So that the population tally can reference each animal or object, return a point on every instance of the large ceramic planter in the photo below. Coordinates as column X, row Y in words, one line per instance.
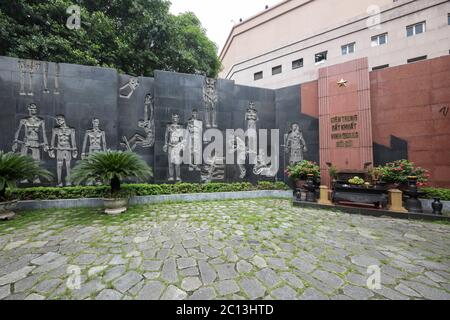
column 7, row 210
column 115, row 206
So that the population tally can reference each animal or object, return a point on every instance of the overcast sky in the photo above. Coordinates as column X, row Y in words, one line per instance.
column 219, row 16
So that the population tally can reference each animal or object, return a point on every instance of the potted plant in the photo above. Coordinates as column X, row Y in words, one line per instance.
column 299, row 172
column 396, row 174
column 15, row 167
column 112, row 167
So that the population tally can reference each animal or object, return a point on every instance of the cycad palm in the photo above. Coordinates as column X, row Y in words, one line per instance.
column 112, row 167
column 15, row 167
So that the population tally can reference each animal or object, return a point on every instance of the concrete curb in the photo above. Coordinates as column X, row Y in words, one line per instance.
column 426, row 204
column 190, row 197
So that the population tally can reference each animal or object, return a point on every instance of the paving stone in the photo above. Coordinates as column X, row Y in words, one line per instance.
column 332, row 280
column 96, row 270
column 109, row 294
column 259, row 262
column 252, row 288
column 277, row 264
column 284, row 293
column 16, row 275
column 205, row 293
column 391, row 294
column 169, row 271
column 118, row 260
column 88, row 289
column 403, row 289
column 268, row 277
column 226, row 271
column 114, row 273
column 46, row 258
column 227, row 287
column 151, row 291
column 174, row 293
column 127, row 281
column 313, row 294
column 152, row 265
column 207, row 272
column 5, row 291
column 230, row 255
column 152, row 275
column 292, row 279
column 47, row 286
column 35, row 296
column 25, row 284
column 435, row 277
column 14, row 245
column 365, row 261
column 184, row 263
column 193, row 271
column 428, row 292
column 357, row 293
column 302, row 265
column 243, row 267
column 85, row 259
column 191, row 283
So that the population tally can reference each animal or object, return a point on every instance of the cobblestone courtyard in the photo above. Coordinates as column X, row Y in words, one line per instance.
column 249, row 249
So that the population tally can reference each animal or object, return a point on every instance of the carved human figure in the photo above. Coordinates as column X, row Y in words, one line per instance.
column 94, row 140
column 210, row 100
column 295, row 144
column 63, row 142
column 34, row 137
column 127, row 90
column 236, row 144
column 148, row 125
column 175, row 140
column 251, row 117
column 195, row 134
column 263, row 165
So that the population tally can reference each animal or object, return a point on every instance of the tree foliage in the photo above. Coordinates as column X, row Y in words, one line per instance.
column 134, row 36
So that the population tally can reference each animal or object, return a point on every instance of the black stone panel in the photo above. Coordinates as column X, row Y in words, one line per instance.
column 397, row 151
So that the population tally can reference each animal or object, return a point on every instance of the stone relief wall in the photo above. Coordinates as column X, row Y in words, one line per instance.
column 61, row 113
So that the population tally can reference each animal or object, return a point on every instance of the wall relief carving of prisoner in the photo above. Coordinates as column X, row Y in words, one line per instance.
column 127, row 90
column 27, row 67
column 237, row 145
column 195, row 138
column 148, row 125
column 63, row 142
column 34, row 137
column 263, row 165
column 210, row 100
column 94, row 140
column 213, row 169
column 175, row 142
column 295, row 144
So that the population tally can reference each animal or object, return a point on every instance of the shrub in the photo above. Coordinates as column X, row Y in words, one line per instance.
column 441, row 193
column 51, row 193
column 111, row 167
column 15, row 167
column 301, row 169
column 399, row 171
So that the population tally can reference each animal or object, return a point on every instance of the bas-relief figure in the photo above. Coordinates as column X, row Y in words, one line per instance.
column 263, row 165
column 27, row 67
column 127, row 90
column 94, row 140
column 174, row 144
column 34, row 137
column 295, row 144
column 236, row 144
column 63, row 142
column 213, row 169
column 251, row 117
column 195, row 134
column 210, row 100
column 148, row 125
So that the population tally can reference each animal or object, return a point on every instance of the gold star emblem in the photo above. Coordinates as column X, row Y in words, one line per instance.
column 342, row 83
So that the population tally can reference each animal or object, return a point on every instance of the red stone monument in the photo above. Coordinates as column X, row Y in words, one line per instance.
column 345, row 117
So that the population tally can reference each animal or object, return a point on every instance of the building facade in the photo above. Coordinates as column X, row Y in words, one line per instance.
column 288, row 43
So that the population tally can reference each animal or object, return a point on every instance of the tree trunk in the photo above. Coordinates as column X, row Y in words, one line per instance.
column 115, row 186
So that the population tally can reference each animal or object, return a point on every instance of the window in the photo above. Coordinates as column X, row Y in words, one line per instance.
column 321, row 57
column 258, row 75
column 415, row 29
column 379, row 40
column 297, row 64
column 417, row 59
column 277, row 70
column 380, row 67
column 448, row 19
column 348, row 48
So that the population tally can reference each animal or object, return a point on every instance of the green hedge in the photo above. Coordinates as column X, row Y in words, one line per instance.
column 443, row 194
column 51, row 193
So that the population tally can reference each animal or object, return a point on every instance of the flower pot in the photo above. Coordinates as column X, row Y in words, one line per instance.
column 437, row 206
column 7, row 210
column 115, row 206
